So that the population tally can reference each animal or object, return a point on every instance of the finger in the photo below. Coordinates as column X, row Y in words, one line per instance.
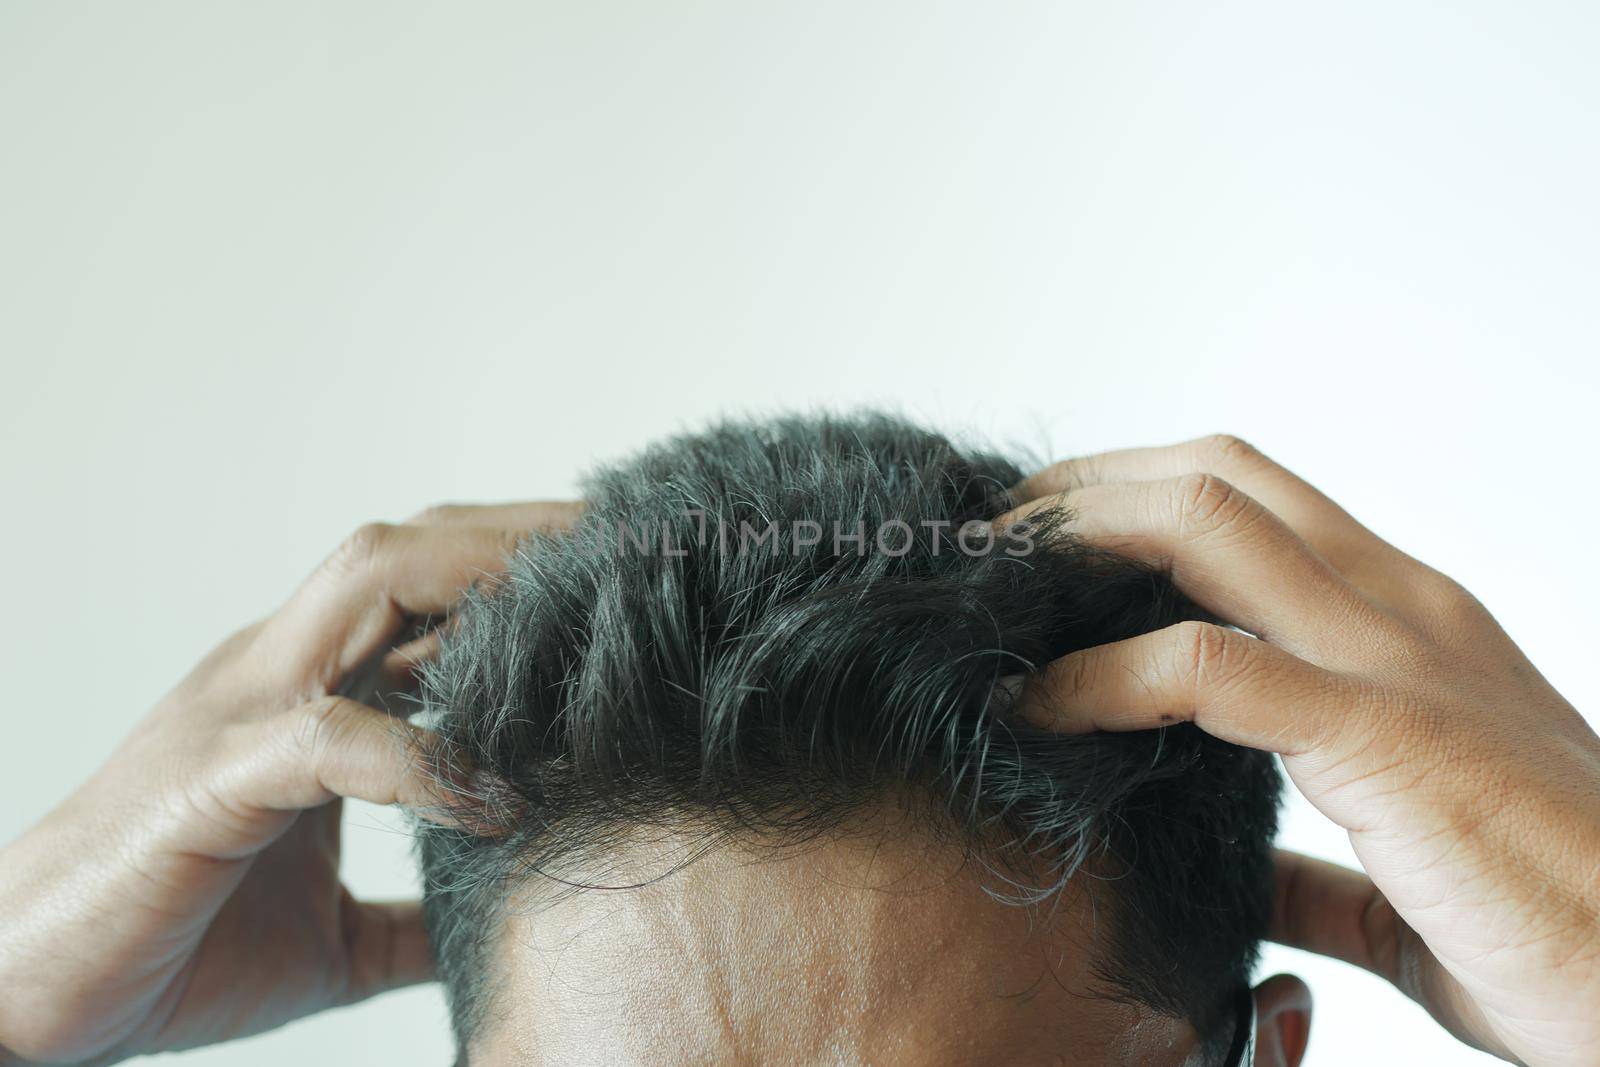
column 544, row 516
column 422, row 569
column 1333, row 911
column 361, row 598
column 1230, row 684
column 388, row 946
column 328, row 748
column 399, row 669
column 1230, row 555
column 391, row 680
column 1350, row 547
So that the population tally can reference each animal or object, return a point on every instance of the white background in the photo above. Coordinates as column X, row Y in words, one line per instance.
column 268, row 271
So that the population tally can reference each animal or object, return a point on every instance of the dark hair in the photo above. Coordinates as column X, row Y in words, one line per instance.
column 661, row 665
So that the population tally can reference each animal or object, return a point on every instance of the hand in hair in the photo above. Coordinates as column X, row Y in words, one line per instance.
column 211, row 836
column 1470, row 789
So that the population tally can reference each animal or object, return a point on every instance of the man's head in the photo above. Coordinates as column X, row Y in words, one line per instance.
column 758, row 791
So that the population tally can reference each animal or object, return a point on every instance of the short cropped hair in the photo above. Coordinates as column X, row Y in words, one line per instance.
column 766, row 627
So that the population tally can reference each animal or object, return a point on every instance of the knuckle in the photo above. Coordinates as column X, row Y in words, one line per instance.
column 207, row 777
column 1081, row 673
column 508, row 544
column 365, row 543
column 1208, row 654
column 314, row 727
column 1206, row 502
column 1225, row 449
column 1454, row 600
column 436, row 514
column 511, row 541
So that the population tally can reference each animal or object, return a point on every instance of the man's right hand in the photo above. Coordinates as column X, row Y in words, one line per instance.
column 1470, row 789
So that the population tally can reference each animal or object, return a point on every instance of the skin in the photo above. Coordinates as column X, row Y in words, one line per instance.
column 211, row 836
column 876, row 946
column 1469, row 787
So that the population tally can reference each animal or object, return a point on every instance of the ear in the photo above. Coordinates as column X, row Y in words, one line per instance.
column 1283, row 1021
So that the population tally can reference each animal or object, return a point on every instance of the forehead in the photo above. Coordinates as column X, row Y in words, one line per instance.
column 862, row 948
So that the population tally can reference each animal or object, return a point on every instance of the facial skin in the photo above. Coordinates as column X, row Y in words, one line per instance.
column 873, row 947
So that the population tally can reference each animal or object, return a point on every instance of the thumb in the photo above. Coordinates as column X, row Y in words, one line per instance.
column 387, row 945
column 322, row 750
column 1333, row 911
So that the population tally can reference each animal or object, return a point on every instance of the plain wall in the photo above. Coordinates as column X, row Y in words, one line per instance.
column 269, row 271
